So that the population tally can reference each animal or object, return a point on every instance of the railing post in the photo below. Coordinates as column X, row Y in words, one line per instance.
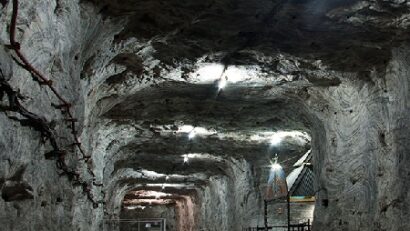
column 266, row 214
column 288, row 201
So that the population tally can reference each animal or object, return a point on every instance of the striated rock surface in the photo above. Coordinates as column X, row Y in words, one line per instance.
column 184, row 97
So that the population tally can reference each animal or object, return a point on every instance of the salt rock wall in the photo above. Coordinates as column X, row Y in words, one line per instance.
column 230, row 202
column 54, row 37
column 360, row 132
column 361, row 154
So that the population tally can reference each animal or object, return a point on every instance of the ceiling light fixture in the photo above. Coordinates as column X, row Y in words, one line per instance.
column 222, row 83
column 275, row 140
column 186, row 158
column 192, row 134
column 275, row 166
column 277, row 186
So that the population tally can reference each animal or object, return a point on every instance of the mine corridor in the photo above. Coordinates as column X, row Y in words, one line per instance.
column 211, row 115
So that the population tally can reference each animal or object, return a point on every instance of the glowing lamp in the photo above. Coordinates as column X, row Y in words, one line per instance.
column 275, row 140
column 276, row 167
column 186, row 158
column 192, row 134
column 222, row 83
column 277, row 186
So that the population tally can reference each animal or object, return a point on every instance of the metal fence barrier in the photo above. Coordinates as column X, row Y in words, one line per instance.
column 151, row 224
column 305, row 226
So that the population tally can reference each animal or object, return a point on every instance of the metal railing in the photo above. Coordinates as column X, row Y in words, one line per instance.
column 151, row 224
column 305, row 226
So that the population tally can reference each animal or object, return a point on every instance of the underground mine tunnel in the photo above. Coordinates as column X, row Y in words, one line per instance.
column 211, row 115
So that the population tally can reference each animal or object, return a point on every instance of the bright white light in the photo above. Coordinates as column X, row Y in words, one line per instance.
column 222, row 83
column 163, row 187
column 132, row 207
column 185, row 128
column 192, row 134
column 144, row 193
column 195, row 131
column 210, row 72
column 175, row 185
column 275, row 140
column 237, row 74
column 276, row 167
column 200, row 156
column 204, row 131
column 186, row 158
column 167, row 178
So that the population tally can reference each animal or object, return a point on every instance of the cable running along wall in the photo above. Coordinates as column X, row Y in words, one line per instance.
column 63, row 105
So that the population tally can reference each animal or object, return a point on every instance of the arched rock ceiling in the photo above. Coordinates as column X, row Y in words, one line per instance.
column 238, row 123
column 203, row 106
column 346, row 35
column 281, row 47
